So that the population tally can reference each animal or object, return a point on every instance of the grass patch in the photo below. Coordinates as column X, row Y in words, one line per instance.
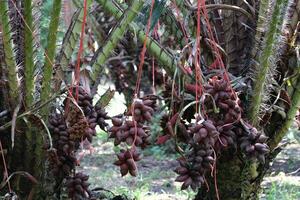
column 282, row 191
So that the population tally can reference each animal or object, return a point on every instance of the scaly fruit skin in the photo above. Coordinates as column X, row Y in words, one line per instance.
column 142, row 110
column 61, row 156
column 126, row 161
column 95, row 115
column 81, row 123
column 224, row 98
column 83, row 118
column 128, row 131
column 101, row 117
column 200, row 159
column 253, row 143
column 78, row 186
column 204, row 134
column 193, row 168
column 134, row 132
column 228, row 113
column 85, row 100
column 78, row 126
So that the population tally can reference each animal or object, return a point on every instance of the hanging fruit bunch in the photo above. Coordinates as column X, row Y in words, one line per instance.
column 218, row 128
column 61, row 157
column 78, row 186
column 101, row 116
column 120, row 74
column 199, row 159
column 84, row 117
column 194, row 166
column 142, row 110
column 78, row 126
column 205, row 133
column 80, row 115
column 76, row 123
column 133, row 131
column 126, row 161
column 129, row 132
column 252, row 142
column 226, row 100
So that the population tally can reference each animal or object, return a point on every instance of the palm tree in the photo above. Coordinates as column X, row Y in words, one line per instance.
column 257, row 41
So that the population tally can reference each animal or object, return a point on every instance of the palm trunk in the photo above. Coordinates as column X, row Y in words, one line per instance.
column 28, row 156
column 237, row 179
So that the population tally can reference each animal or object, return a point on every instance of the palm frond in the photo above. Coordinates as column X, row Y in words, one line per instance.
column 37, row 48
column 173, row 27
column 7, row 53
column 29, row 55
column 50, row 50
column 267, row 60
column 69, row 43
column 114, row 37
column 16, row 13
column 263, row 19
column 290, row 20
column 70, row 40
column 163, row 56
column 291, row 114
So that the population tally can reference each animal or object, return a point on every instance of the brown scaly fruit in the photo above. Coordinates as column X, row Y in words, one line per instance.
column 84, row 101
column 66, row 163
column 78, row 127
column 126, row 161
column 133, row 132
column 101, row 117
column 128, row 131
column 204, row 134
column 224, row 98
column 61, row 156
column 60, row 136
column 78, row 186
column 142, row 110
column 227, row 137
column 253, row 143
column 193, row 168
